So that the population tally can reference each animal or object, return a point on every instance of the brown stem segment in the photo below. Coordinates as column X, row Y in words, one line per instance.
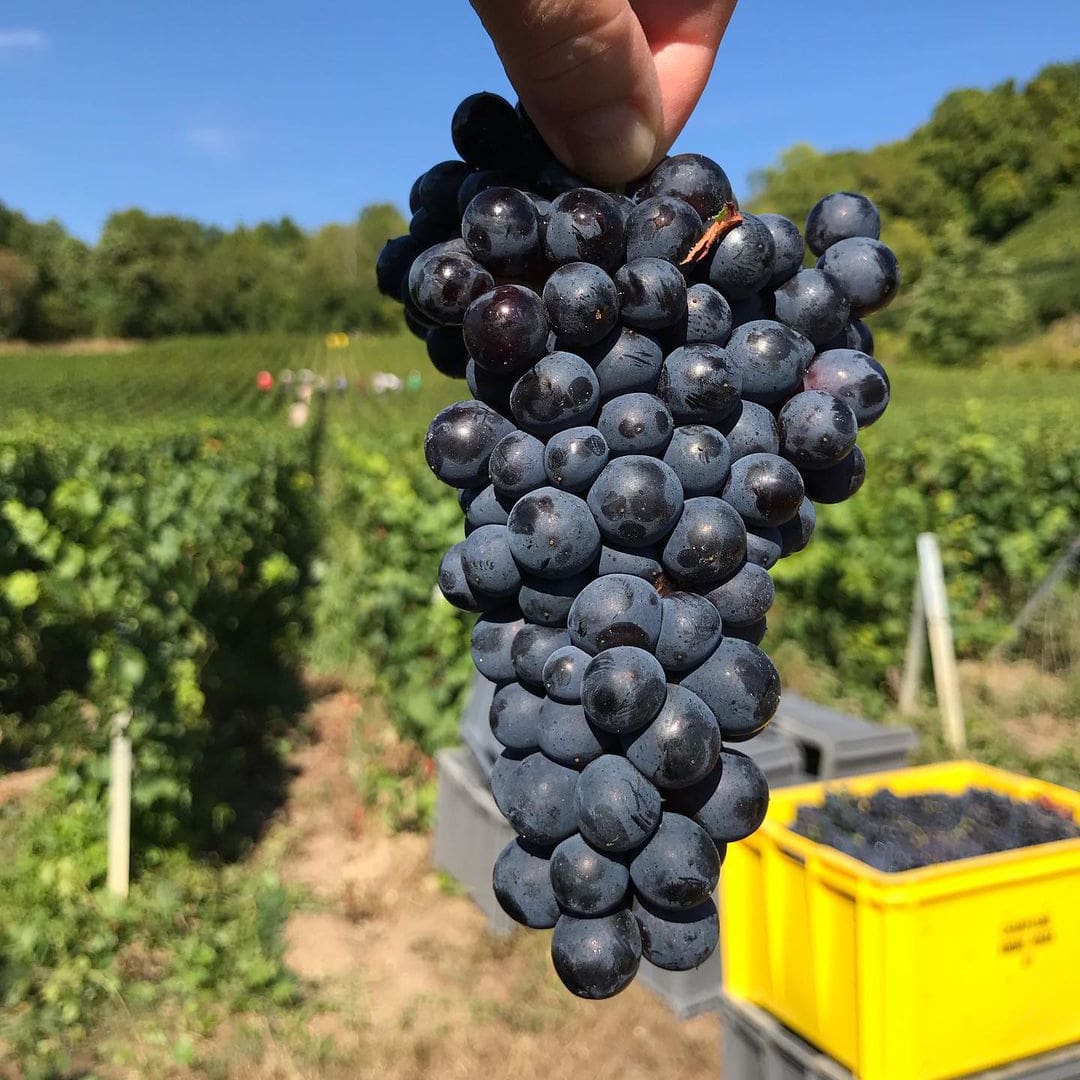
column 718, row 228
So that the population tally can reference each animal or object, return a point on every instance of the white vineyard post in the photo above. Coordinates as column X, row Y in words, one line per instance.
column 120, row 807
column 939, row 629
column 914, row 654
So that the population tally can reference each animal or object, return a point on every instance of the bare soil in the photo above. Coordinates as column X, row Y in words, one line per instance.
column 402, row 979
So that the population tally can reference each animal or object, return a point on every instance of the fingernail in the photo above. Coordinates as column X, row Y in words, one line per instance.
column 610, row 144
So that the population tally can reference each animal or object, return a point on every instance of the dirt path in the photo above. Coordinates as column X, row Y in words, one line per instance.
column 412, row 983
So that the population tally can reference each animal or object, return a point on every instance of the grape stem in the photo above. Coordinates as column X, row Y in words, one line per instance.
column 721, row 224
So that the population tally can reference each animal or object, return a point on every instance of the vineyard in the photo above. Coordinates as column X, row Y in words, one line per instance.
column 171, row 547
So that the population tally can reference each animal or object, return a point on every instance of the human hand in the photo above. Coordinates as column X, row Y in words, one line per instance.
column 609, row 83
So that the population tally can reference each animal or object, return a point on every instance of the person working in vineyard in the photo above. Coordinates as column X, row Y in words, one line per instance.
column 609, row 83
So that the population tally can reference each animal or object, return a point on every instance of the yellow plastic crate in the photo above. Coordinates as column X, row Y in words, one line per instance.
column 922, row 975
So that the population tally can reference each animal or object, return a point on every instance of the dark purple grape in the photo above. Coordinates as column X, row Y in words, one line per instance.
column 562, row 674
column 617, row 609
column 559, row 392
column 460, row 440
column 622, row 689
column 731, row 802
column 677, row 940
column 770, row 358
column 492, row 638
column 567, row 736
column 752, row 309
column 708, row 320
column 479, row 181
column 847, row 338
column 680, row 746
column 839, row 483
column 662, row 228
column 742, row 262
column 515, row 716
column 439, row 190
column 586, row 226
column 574, row 458
column 635, row 424
column 690, row 629
column 489, row 567
column 789, row 245
column 699, row 384
column 427, row 231
column 636, row 562
column 652, row 294
column 679, row 867
column 745, row 597
column 532, row 647
column 522, row 883
column 414, row 195
column 552, row 533
column 764, row 546
column 765, row 489
column 548, row 602
column 706, row 545
column 813, row 303
column 635, row 500
column 855, row 378
column 502, row 230
column 484, row 506
column 753, row 632
column 487, row 132
column 596, row 958
column 694, row 179
column 506, row 330
column 751, row 429
column 443, row 286
column 867, row 271
column 627, row 361
column 393, row 263
column 516, row 465
column 700, row 458
column 587, row 882
column 415, row 319
column 840, row 216
column 540, row 800
column 617, row 808
column 795, row 534
column 741, row 686
column 817, row 430
column 454, row 585
column 504, row 777
column 493, row 390
column 866, row 337
column 582, row 304
column 447, row 352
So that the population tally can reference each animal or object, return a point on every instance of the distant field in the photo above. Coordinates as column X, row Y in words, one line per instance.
column 215, row 377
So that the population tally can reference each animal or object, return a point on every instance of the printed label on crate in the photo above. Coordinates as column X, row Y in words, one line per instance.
column 1023, row 936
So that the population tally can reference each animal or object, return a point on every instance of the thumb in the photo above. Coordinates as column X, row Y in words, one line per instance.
column 586, row 76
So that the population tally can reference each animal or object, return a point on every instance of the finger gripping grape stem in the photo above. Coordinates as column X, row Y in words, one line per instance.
column 721, row 224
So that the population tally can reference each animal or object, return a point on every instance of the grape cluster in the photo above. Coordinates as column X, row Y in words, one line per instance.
column 660, row 393
column 894, row 833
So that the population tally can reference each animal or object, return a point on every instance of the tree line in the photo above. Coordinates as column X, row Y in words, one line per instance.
column 151, row 276
column 982, row 206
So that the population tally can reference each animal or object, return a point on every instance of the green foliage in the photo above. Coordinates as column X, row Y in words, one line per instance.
column 151, row 276
column 1004, row 503
column 390, row 523
column 200, row 940
column 967, row 300
column 162, row 573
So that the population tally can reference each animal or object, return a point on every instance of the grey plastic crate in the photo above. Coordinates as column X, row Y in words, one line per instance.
column 758, row 1047
column 835, row 744
column 777, row 755
column 476, row 727
column 685, row 993
column 469, row 831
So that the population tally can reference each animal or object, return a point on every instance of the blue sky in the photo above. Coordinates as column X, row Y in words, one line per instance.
column 237, row 110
